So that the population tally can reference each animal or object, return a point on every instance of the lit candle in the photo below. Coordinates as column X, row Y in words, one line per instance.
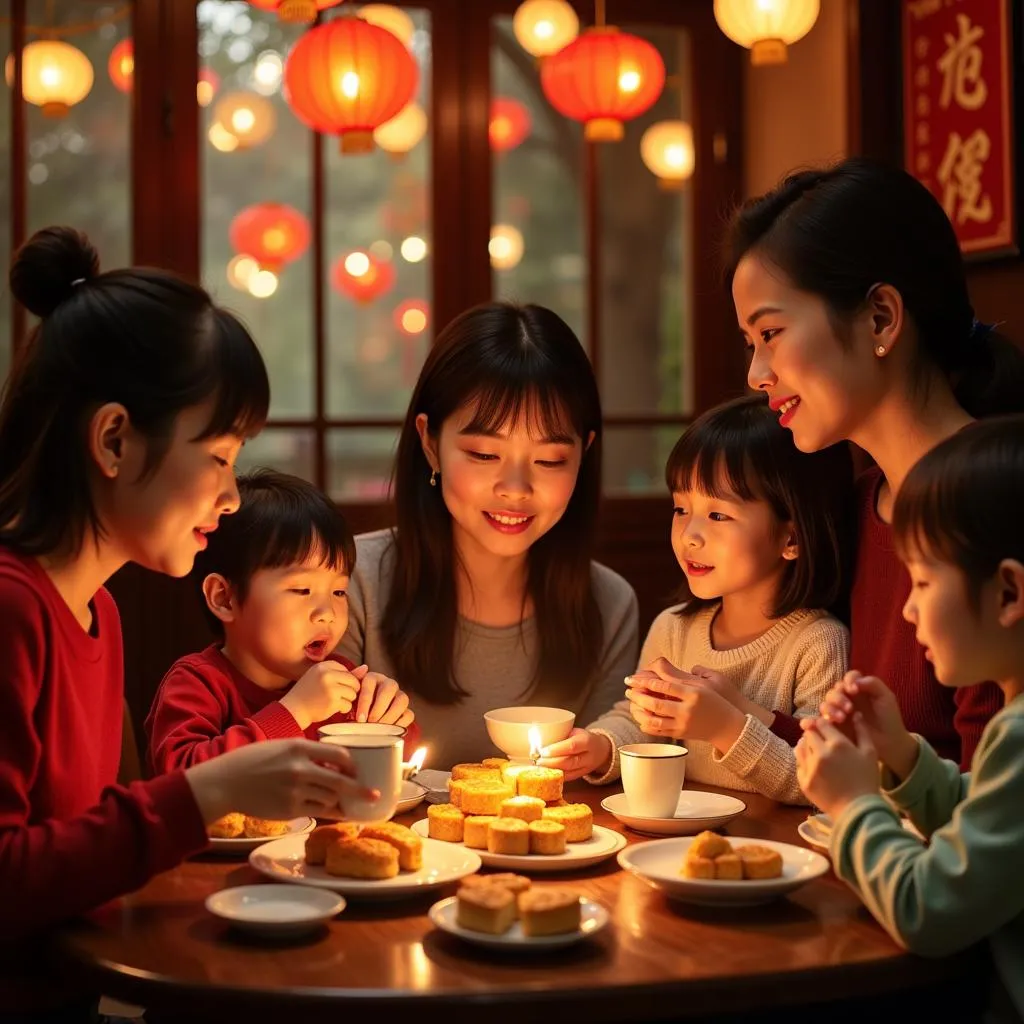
column 535, row 744
column 415, row 764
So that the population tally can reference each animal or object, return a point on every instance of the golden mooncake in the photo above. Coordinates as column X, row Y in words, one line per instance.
column 698, row 867
column 526, row 808
column 362, row 858
column 548, row 911
column 403, row 839
column 455, row 791
column 512, row 882
column 445, row 822
column 320, row 838
column 709, row 844
column 231, row 826
column 496, row 762
column 760, row 861
column 475, row 771
column 265, row 828
column 509, row 836
column 578, row 820
column 483, row 796
column 543, row 783
column 729, row 867
column 547, row 837
column 474, row 833
column 486, row 908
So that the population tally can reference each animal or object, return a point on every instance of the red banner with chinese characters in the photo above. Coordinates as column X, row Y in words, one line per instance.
column 958, row 114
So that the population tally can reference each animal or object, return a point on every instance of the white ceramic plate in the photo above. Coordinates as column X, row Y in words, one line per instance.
column 604, row 843
column 816, row 830
column 412, row 795
column 696, row 812
column 238, row 847
column 593, row 917
column 435, row 782
column 275, row 909
column 660, row 862
column 284, row 860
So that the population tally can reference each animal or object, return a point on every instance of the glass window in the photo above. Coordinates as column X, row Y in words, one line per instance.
column 78, row 164
column 256, row 170
column 537, row 248
column 359, row 463
column 635, row 457
column 378, row 244
column 289, row 451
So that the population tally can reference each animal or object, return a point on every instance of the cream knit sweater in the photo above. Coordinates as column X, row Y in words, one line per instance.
column 789, row 669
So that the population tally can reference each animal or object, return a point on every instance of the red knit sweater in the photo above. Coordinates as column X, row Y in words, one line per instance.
column 70, row 838
column 882, row 642
column 205, row 707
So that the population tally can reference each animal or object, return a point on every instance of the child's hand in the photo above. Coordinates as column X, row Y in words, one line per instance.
column 716, row 682
column 664, row 704
column 875, row 702
column 831, row 770
column 380, row 700
column 277, row 779
column 582, row 753
column 326, row 689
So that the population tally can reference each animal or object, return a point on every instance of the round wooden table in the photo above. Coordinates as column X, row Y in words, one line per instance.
column 160, row 948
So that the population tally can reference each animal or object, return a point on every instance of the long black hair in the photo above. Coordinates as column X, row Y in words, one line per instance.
column 739, row 447
column 838, row 232
column 144, row 338
column 504, row 361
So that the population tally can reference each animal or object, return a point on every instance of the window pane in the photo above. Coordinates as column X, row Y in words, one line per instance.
column 241, row 53
column 538, row 188
column 79, row 164
column 290, row 451
column 646, row 258
column 378, row 236
column 6, row 341
column 635, row 457
column 359, row 463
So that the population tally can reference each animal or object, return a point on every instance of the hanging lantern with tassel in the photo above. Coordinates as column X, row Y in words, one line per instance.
column 766, row 27
column 362, row 277
column 121, row 65
column 273, row 234
column 55, row 75
column 543, row 27
column 509, row 124
column 295, row 12
column 347, row 78
column 667, row 150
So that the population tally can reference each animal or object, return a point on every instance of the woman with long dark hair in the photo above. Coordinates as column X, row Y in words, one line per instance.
column 485, row 594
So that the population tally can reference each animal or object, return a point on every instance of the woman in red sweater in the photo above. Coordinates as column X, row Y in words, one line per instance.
column 850, row 291
column 119, row 430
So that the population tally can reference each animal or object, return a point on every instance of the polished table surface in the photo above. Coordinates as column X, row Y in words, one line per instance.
column 160, row 948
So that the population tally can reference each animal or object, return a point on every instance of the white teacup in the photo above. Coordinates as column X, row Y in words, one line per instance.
column 652, row 778
column 378, row 763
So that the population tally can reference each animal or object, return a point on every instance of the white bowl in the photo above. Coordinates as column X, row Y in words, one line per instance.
column 509, row 728
column 360, row 729
column 275, row 909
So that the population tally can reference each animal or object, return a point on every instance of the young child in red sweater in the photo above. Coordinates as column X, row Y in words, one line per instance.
column 119, row 429
column 273, row 581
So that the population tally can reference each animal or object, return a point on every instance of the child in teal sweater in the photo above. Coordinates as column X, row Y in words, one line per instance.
column 958, row 529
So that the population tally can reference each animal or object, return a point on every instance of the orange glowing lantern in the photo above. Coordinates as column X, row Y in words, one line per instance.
column 347, row 78
column 121, row 65
column 273, row 234
column 509, row 124
column 207, row 86
column 412, row 317
column 362, row 277
column 602, row 78
column 298, row 12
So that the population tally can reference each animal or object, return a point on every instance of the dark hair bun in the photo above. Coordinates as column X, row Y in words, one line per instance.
column 48, row 267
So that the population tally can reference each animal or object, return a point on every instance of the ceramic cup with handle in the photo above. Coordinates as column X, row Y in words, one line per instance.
column 378, row 763
column 652, row 777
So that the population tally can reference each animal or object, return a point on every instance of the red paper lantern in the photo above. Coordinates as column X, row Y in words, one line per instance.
column 509, row 124
column 602, row 78
column 377, row 280
column 301, row 12
column 412, row 317
column 121, row 65
column 348, row 77
column 271, row 233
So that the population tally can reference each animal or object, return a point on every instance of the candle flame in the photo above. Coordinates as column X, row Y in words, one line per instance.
column 417, row 759
column 535, row 743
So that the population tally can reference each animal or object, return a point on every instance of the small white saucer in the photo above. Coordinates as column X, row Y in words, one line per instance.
column 244, row 845
column 816, row 830
column 412, row 795
column 593, row 917
column 275, row 910
column 696, row 811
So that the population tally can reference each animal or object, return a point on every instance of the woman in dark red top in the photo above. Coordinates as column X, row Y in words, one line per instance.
column 851, row 296
column 119, row 430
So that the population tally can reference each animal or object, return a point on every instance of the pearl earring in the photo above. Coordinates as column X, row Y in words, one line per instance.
column 433, row 478
column 880, row 351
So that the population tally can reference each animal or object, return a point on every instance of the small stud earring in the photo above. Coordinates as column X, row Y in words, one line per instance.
column 433, row 478
column 880, row 350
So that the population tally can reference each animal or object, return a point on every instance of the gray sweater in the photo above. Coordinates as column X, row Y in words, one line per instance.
column 495, row 664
